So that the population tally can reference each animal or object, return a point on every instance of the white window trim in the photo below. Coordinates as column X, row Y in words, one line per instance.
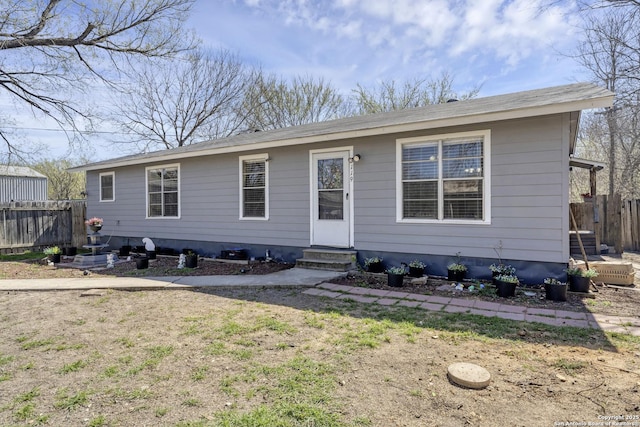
column 241, row 159
column 486, row 135
column 146, row 190
column 113, row 180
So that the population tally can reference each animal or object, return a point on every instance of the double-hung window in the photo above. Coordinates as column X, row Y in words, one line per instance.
column 107, row 186
column 443, row 178
column 163, row 191
column 254, row 187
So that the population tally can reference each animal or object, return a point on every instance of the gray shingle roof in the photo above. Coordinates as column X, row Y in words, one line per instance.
column 573, row 97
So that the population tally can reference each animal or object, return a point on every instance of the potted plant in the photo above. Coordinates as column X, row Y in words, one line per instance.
column 456, row 270
column 501, row 269
column 53, row 253
column 69, row 251
column 125, row 250
column 506, row 285
column 95, row 224
column 555, row 290
column 579, row 279
column 191, row 259
column 416, row 268
column 142, row 263
column 395, row 276
column 373, row 264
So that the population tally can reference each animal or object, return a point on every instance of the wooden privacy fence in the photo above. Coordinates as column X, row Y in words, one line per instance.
column 33, row 225
column 615, row 221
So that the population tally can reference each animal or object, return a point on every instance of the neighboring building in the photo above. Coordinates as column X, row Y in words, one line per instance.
column 20, row 184
column 484, row 177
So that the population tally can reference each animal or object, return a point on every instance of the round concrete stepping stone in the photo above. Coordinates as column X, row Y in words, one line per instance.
column 469, row 375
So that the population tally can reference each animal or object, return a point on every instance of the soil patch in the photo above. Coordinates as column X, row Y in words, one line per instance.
column 617, row 301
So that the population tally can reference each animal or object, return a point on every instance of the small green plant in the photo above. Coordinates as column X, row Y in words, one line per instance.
column 577, row 271
column 553, row 281
column 372, row 260
column 502, row 269
column 457, row 266
column 590, row 273
column 507, row 278
column 396, row 270
column 417, row 264
column 53, row 250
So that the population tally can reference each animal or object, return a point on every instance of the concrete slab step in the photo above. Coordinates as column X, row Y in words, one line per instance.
column 329, row 254
column 324, row 264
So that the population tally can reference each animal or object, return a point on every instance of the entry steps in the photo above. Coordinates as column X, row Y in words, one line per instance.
column 327, row 259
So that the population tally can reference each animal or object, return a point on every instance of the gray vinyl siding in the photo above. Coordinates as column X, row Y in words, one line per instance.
column 529, row 167
column 529, row 198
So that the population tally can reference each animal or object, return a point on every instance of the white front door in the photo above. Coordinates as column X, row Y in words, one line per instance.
column 331, row 199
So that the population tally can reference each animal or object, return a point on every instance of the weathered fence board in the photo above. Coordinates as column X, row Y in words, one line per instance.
column 26, row 225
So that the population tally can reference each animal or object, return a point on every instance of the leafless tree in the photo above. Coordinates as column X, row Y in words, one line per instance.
column 50, row 48
column 389, row 96
column 274, row 102
column 610, row 53
column 178, row 102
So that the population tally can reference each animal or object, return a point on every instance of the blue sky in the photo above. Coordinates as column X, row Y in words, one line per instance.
column 503, row 46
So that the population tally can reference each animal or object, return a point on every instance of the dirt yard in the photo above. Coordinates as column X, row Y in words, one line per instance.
column 277, row 357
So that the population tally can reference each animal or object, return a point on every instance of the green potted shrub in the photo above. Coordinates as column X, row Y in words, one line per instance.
column 373, row 264
column 53, row 253
column 580, row 279
column 506, row 285
column 395, row 276
column 555, row 290
column 416, row 268
column 498, row 269
column 191, row 260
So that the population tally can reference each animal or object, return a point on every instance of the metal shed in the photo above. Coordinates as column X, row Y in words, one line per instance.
column 18, row 184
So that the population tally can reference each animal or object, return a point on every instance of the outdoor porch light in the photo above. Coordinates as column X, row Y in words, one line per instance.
column 355, row 158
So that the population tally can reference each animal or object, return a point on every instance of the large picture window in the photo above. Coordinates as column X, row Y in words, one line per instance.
column 163, row 186
column 254, row 179
column 443, row 178
column 107, row 187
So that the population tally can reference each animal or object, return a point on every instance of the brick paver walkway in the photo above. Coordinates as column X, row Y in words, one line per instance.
column 625, row 325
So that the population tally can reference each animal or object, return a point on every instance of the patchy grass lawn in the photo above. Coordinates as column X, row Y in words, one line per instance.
column 276, row 357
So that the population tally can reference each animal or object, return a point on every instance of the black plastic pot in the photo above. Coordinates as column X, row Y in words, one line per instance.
column 191, row 261
column 142, row 263
column 579, row 284
column 376, row 267
column 151, row 254
column 455, row 275
column 70, row 251
column 505, row 289
column 556, row 292
column 395, row 280
column 55, row 258
column 416, row 271
column 125, row 250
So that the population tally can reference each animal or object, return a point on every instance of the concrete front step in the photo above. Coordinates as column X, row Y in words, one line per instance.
column 324, row 264
column 327, row 259
column 329, row 254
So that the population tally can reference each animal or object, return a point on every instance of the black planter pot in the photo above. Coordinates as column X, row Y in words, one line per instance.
column 395, row 280
column 579, row 284
column 70, row 251
column 191, row 261
column 416, row 271
column 505, row 289
column 151, row 254
column 556, row 292
column 456, row 276
column 140, row 249
column 125, row 250
column 142, row 263
column 376, row 267
column 55, row 258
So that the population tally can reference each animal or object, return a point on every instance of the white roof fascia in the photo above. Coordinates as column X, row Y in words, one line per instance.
column 418, row 125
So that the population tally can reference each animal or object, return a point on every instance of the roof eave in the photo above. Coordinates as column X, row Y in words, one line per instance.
column 164, row 156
